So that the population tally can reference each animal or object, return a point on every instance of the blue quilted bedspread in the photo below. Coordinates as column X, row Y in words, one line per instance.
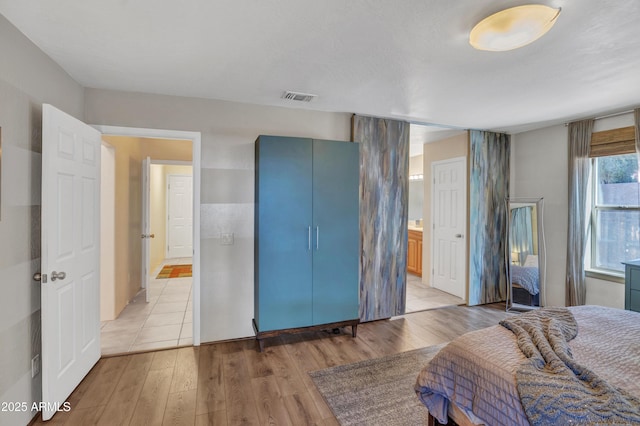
column 556, row 390
column 527, row 277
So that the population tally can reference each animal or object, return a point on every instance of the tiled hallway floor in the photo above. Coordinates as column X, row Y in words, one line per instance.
column 421, row 298
column 166, row 321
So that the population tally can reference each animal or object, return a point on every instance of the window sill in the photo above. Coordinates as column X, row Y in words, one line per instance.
column 606, row 276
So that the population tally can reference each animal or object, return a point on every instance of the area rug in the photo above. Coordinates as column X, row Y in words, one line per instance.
column 174, row 271
column 376, row 391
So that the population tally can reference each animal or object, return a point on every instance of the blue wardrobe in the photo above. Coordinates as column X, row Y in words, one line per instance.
column 307, row 239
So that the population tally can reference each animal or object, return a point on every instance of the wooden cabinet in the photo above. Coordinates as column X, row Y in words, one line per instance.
column 307, row 232
column 414, row 252
column 632, row 285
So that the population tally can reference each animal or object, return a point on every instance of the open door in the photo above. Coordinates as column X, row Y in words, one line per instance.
column 70, row 260
column 146, row 225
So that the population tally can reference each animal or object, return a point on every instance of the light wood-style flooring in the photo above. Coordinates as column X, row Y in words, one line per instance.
column 232, row 383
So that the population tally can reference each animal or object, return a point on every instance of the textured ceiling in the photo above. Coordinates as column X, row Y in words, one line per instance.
column 401, row 59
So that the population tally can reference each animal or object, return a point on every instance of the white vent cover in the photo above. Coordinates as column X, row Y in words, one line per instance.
column 297, row 96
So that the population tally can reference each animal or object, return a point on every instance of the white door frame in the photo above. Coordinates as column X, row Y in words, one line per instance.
column 465, row 290
column 195, row 139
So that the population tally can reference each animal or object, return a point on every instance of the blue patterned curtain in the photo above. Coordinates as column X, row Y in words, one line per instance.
column 489, row 189
column 384, row 177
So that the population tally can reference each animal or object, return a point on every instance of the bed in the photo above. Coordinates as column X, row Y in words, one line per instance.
column 472, row 379
column 525, row 282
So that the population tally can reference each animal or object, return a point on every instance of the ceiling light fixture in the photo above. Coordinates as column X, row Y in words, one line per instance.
column 513, row 28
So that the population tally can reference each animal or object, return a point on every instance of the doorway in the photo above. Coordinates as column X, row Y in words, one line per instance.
column 427, row 143
column 160, row 310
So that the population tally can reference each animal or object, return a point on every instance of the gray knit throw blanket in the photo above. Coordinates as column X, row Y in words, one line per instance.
column 553, row 388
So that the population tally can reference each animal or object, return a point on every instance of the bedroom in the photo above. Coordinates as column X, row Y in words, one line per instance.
column 29, row 78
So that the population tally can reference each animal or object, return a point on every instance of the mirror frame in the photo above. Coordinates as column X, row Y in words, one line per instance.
column 542, row 253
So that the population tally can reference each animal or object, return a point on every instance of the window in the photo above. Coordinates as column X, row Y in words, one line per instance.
column 615, row 213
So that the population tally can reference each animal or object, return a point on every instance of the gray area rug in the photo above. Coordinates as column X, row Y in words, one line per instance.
column 376, row 391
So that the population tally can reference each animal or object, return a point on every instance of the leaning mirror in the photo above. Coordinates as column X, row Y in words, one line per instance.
column 525, row 254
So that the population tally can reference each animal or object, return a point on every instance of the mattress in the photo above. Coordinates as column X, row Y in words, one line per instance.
column 476, row 372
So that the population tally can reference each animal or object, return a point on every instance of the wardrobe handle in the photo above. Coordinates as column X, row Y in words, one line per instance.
column 309, row 238
column 317, row 238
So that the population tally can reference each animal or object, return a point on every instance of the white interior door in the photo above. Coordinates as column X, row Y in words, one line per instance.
column 146, row 224
column 449, row 224
column 180, row 216
column 70, row 254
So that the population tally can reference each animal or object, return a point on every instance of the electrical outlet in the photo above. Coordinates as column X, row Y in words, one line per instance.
column 226, row 239
column 35, row 366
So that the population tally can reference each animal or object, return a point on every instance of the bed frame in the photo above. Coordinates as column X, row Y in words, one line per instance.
column 455, row 415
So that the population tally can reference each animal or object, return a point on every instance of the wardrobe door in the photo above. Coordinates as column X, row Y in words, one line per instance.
column 336, row 231
column 283, row 245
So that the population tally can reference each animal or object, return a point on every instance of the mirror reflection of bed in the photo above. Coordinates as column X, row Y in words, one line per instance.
column 525, row 254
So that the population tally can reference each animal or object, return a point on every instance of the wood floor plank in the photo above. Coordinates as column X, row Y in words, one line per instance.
column 288, row 378
column 180, row 409
column 164, row 359
column 216, row 418
column 153, row 398
column 240, row 404
column 85, row 416
column 211, row 395
column 302, row 409
column 382, row 340
column 258, row 363
column 102, row 387
column 120, row 406
column 185, row 375
column 331, row 421
column 269, row 401
column 358, row 347
column 343, row 348
column 304, row 362
column 403, row 329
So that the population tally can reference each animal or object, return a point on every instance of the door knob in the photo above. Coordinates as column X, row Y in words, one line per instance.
column 37, row 276
column 58, row 276
column 459, row 235
column 147, row 236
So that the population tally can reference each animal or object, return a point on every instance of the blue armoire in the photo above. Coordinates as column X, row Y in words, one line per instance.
column 307, row 239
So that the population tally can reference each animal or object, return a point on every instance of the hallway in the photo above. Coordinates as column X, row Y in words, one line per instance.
column 165, row 322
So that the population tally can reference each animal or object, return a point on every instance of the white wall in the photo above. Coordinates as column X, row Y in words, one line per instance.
column 229, row 131
column 28, row 78
column 107, row 234
column 540, row 169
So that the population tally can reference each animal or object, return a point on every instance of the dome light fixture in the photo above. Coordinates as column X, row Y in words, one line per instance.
column 513, row 28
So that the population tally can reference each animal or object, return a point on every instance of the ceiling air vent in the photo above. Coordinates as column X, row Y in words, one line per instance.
column 297, row 96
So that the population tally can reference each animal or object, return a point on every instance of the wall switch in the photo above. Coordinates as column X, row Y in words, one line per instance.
column 226, row 239
column 35, row 366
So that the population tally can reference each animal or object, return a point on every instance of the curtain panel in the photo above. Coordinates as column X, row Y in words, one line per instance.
column 489, row 189
column 521, row 233
column 578, row 223
column 384, row 188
